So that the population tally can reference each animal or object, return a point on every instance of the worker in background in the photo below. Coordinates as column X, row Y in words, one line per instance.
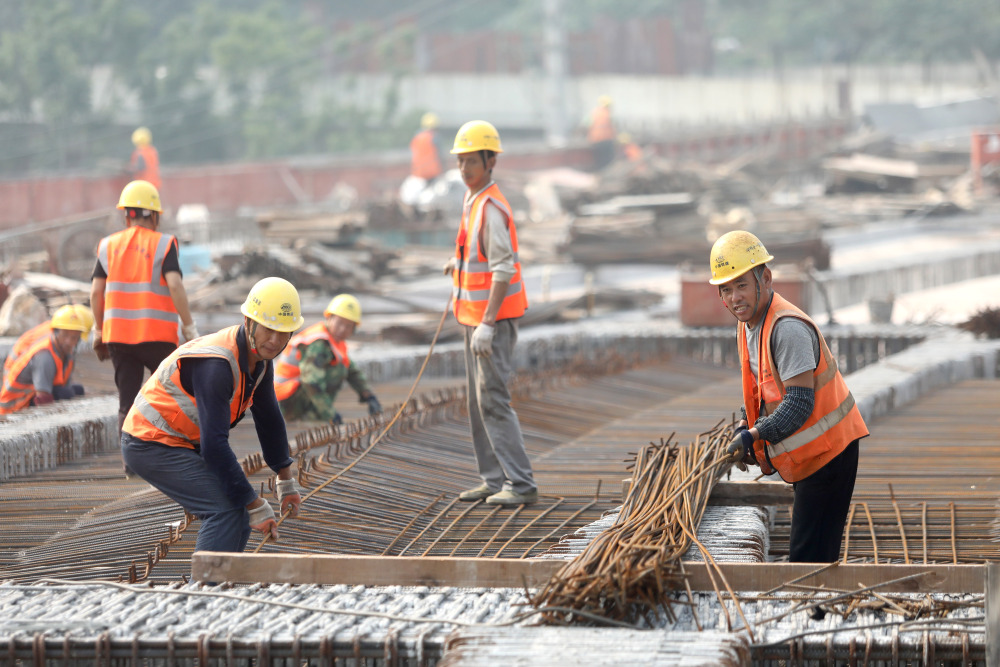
column 425, row 151
column 800, row 419
column 137, row 293
column 489, row 298
column 144, row 164
column 630, row 149
column 43, row 373
column 601, row 133
column 310, row 373
column 40, row 331
column 176, row 435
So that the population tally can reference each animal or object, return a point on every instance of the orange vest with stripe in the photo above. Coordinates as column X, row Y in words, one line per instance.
column 165, row 412
column 151, row 164
column 601, row 127
column 424, row 159
column 138, row 307
column 286, row 368
column 835, row 421
column 16, row 395
column 472, row 278
column 26, row 340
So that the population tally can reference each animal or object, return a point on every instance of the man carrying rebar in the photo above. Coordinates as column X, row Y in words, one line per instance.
column 489, row 297
column 313, row 368
column 805, row 424
column 176, row 435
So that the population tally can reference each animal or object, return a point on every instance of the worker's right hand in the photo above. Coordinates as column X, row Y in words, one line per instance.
column 262, row 519
column 289, row 497
column 100, row 347
column 740, row 449
column 450, row 265
column 190, row 331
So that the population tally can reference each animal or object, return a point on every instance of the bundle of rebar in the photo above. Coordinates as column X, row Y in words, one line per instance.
column 628, row 571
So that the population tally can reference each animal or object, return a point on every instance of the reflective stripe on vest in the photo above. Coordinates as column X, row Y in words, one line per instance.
column 472, row 278
column 25, row 342
column 425, row 162
column 151, row 164
column 286, row 368
column 163, row 395
column 16, row 394
column 138, row 307
column 835, row 420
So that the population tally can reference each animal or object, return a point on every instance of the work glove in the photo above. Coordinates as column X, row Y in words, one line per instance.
column 262, row 519
column 100, row 347
column 482, row 340
column 190, row 331
column 289, row 497
column 374, row 407
column 337, row 419
column 740, row 450
column 450, row 265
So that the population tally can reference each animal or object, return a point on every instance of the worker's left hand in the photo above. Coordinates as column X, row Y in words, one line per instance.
column 262, row 519
column 482, row 340
column 374, row 407
column 740, row 449
column 289, row 497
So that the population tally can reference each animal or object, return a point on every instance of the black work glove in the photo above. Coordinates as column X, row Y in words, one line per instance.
column 740, row 449
column 337, row 419
column 374, row 407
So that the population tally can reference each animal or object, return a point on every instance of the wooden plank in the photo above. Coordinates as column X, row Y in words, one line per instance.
column 764, row 493
column 514, row 573
column 992, row 589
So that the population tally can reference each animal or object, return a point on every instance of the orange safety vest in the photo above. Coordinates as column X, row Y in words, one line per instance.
column 16, row 395
column 472, row 278
column 601, row 127
column 25, row 341
column 632, row 152
column 835, row 421
column 151, row 164
column 165, row 412
column 425, row 162
column 286, row 368
column 138, row 307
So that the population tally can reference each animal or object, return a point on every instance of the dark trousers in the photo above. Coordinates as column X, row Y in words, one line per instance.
column 131, row 362
column 819, row 511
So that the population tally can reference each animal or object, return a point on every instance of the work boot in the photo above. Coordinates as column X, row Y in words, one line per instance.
column 511, row 497
column 479, row 493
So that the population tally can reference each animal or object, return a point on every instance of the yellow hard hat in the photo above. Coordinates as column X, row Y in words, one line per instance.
column 274, row 302
column 429, row 120
column 604, row 100
column 735, row 253
column 86, row 314
column 142, row 136
column 69, row 319
column 140, row 194
column 624, row 138
column 477, row 135
column 346, row 306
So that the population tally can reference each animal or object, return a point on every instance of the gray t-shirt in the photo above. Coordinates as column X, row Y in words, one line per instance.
column 795, row 346
column 41, row 372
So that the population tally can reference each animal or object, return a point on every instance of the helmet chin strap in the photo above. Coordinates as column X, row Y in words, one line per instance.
column 251, row 330
column 758, row 273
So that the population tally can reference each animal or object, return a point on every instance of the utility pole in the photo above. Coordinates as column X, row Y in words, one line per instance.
column 555, row 74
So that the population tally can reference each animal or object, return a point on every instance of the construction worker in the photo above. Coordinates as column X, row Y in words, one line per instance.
column 137, row 293
column 176, row 435
column 800, row 419
column 40, row 331
column 313, row 368
column 631, row 150
column 601, row 133
column 489, row 297
column 43, row 373
column 425, row 152
column 144, row 164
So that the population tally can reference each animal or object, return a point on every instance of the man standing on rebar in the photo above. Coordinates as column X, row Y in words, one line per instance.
column 489, row 297
column 176, row 435
column 137, row 293
column 144, row 165
column 311, row 371
column 805, row 424
column 601, row 134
